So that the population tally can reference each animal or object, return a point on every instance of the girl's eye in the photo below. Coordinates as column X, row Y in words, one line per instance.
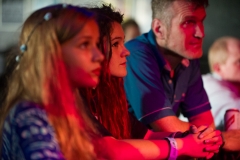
column 98, row 45
column 84, row 45
column 115, row 44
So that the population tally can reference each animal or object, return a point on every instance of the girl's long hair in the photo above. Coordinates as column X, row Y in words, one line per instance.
column 41, row 77
column 108, row 100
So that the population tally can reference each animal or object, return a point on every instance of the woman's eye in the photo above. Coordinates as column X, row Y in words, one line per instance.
column 115, row 44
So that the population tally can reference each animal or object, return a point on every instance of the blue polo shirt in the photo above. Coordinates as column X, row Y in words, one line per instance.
column 151, row 92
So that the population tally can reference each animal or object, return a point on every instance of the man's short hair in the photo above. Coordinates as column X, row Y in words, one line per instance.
column 159, row 8
column 218, row 52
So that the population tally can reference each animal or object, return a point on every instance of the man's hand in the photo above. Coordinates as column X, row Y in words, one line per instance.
column 202, row 142
column 211, row 137
column 232, row 140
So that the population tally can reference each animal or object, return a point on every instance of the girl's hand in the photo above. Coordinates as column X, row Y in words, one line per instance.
column 192, row 146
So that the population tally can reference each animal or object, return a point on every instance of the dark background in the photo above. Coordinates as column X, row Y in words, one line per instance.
column 223, row 19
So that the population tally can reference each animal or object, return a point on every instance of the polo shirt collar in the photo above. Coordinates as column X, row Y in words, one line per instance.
column 151, row 37
column 185, row 62
column 154, row 46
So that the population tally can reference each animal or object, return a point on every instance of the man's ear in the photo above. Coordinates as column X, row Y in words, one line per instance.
column 159, row 29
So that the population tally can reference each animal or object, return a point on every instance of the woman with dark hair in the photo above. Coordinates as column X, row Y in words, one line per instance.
column 105, row 99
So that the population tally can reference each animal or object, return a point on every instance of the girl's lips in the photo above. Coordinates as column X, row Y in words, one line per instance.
column 97, row 71
column 124, row 63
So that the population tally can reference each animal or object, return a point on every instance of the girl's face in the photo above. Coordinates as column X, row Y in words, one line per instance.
column 82, row 56
column 117, row 64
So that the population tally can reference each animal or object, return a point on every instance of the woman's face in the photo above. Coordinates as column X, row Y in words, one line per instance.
column 117, row 64
column 82, row 56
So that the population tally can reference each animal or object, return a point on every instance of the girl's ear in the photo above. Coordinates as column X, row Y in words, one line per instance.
column 159, row 29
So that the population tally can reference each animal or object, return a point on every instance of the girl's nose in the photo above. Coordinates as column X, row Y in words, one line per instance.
column 97, row 55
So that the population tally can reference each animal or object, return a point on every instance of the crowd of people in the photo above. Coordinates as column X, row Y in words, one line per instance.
column 75, row 90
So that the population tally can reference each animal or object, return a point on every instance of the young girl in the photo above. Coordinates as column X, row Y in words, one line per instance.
column 108, row 101
column 43, row 116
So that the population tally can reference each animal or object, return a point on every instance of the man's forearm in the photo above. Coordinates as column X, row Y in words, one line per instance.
column 200, row 122
column 170, row 124
column 204, row 118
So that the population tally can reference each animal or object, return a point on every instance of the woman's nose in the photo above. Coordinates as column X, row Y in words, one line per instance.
column 125, row 52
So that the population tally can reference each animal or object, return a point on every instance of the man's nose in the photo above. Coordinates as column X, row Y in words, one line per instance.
column 199, row 31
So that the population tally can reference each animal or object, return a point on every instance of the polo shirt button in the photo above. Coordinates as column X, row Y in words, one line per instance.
column 170, row 81
column 183, row 94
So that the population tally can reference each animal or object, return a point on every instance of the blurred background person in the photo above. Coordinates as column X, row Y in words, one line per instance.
column 131, row 29
column 223, row 83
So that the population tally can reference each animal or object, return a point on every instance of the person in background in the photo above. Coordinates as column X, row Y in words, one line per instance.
column 43, row 116
column 131, row 29
column 107, row 101
column 163, row 69
column 223, row 85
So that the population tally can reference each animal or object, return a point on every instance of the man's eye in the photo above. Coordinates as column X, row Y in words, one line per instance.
column 115, row 44
column 190, row 22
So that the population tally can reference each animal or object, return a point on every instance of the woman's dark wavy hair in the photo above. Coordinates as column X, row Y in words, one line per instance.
column 108, row 100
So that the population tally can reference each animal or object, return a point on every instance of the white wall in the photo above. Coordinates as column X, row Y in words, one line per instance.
column 14, row 12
